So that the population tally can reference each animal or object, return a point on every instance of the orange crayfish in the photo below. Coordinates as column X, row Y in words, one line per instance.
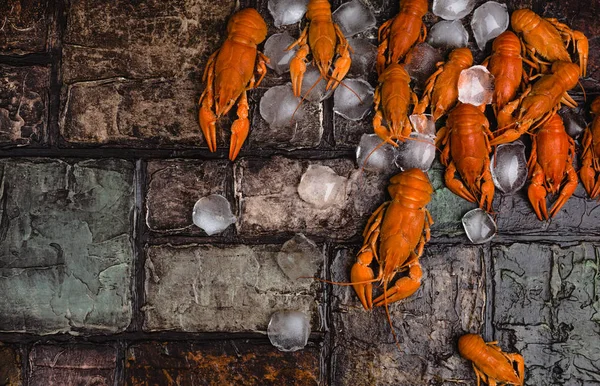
column 466, row 141
column 442, row 85
column 490, row 363
column 544, row 36
column 324, row 38
column 398, row 35
column 229, row 73
column 590, row 163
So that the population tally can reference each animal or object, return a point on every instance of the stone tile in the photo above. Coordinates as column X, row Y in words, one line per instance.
column 24, row 26
column 266, row 191
column 23, row 104
column 10, row 366
column 546, row 309
column 72, row 365
column 449, row 303
column 208, row 288
column 220, row 362
column 174, row 186
column 66, row 251
column 347, row 133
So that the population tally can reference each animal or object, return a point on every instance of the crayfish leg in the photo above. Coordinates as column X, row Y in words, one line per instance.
column 405, row 286
column 537, row 193
column 567, row 190
column 240, row 127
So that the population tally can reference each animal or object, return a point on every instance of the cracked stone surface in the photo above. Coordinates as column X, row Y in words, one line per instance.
column 347, row 133
column 24, row 26
column 23, row 104
column 547, row 307
column 66, row 251
column 174, row 186
column 449, row 303
column 220, row 363
column 10, row 366
column 229, row 289
column 72, row 365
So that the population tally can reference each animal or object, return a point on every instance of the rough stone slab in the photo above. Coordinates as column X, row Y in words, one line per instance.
column 267, row 193
column 174, row 186
column 547, row 309
column 72, row 365
column 230, row 289
column 66, row 251
column 449, row 303
column 24, row 26
column 10, row 366
column 220, row 363
column 347, row 133
column 23, row 104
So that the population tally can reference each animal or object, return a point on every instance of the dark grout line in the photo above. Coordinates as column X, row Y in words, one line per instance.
column 139, row 230
column 488, row 316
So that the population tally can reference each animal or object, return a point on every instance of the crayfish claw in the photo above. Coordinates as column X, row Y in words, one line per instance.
column 363, row 276
column 298, row 68
column 403, row 288
column 208, row 122
column 239, row 133
column 537, row 197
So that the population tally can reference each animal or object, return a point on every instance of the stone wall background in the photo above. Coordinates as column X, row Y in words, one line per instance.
column 104, row 280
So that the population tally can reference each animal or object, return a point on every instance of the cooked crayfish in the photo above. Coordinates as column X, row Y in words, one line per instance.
column 549, row 38
column 538, row 103
column 324, row 39
column 590, row 159
column 466, row 149
column 442, row 85
column 229, row 73
column 398, row 35
column 490, row 363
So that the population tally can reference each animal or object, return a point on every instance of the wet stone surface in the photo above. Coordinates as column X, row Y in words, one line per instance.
column 66, row 251
column 24, row 26
column 10, row 366
column 449, row 303
column 228, row 289
column 23, row 105
column 220, row 363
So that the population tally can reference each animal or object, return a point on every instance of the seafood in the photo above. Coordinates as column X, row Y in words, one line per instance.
column 590, row 159
column 228, row 74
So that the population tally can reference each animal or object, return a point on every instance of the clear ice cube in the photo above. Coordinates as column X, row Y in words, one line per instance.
column 300, row 257
column 509, row 167
column 275, row 49
column 313, row 85
column 287, row 12
column 479, row 226
column 448, row 34
column 452, row 9
column 476, row 86
column 489, row 20
column 421, row 62
column 353, row 99
column 423, row 123
column 363, row 57
column 289, row 330
column 354, row 17
column 322, row 187
column 573, row 119
column 374, row 155
column 417, row 152
column 278, row 107
column 213, row 214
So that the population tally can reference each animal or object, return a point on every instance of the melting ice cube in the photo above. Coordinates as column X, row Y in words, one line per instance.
column 363, row 56
column 423, row 123
column 479, row 226
column 299, row 257
column 313, row 85
column 416, row 152
column 374, row 155
column 448, row 34
column 321, row 186
column 476, row 86
column 346, row 100
column 509, row 167
column 213, row 214
column 573, row 119
column 421, row 62
column 452, row 9
column 354, row 17
column 286, row 12
column 289, row 330
column 489, row 20
column 278, row 107
column 275, row 49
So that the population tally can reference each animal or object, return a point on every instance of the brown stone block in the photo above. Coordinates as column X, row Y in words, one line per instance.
column 24, row 26
column 10, row 366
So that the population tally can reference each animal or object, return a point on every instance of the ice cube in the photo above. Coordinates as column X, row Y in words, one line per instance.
column 421, row 62
column 313, row 85
column 509, row 167
column 363, row 57
column 300, row 257
column 479, row 226
column 213, row 214
column 322, row 187
column 278, row 107
column 452, row 9
column 573, row 119
column 416, row 152
column 354, row 17
column 287, row 12
column 353, row 99
column 289, row 330
column 275, row 49
column 374, row 155
column 476, row 86
column 423, row 123
column 448, row 34
column 489, row 20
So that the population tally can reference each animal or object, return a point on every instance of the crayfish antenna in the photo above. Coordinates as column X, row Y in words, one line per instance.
column 340, row 283
column 352, row 91
column 389, row 317
column 304, row 97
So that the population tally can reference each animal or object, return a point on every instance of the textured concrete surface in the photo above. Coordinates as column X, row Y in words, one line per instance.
column 25, row 25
